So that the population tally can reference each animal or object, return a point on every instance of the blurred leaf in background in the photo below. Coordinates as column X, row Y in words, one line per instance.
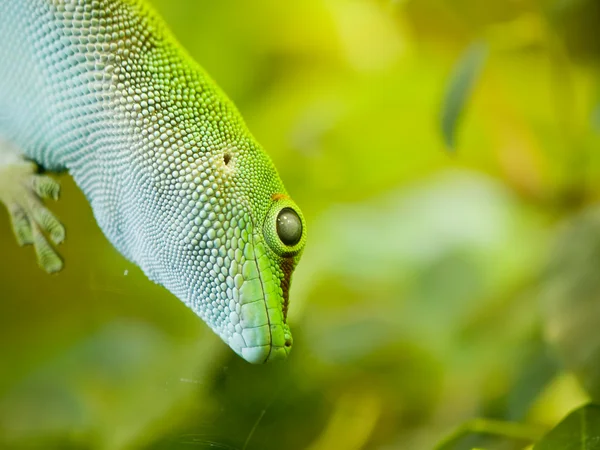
column 571, row 297
column 461, row 85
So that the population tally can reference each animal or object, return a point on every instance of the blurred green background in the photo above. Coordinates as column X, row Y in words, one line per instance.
column 436, row 287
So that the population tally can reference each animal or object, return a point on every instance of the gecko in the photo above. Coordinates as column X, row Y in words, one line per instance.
column 102, row 90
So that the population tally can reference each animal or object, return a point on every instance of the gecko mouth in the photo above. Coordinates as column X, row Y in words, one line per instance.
column 264, row 299
column 262, row 285
column 281, row 351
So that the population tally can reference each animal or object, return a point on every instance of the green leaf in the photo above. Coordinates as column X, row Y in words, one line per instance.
column 465, row 76
column 489, row 428
column 580, row 430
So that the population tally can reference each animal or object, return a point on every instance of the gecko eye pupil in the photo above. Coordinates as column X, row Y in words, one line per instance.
column 289, row 226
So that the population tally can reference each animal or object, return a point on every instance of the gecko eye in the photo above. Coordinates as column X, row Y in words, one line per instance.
column 284, row 227
column 289, row 227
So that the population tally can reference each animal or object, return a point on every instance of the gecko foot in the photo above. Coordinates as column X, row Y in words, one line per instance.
column 22, row 190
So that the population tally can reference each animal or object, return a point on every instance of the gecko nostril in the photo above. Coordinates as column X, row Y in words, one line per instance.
column 226, row 158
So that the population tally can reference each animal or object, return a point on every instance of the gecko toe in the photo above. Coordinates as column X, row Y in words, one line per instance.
column 45, row 187
column 47, row 257
column 21, row 225
column 47, row 222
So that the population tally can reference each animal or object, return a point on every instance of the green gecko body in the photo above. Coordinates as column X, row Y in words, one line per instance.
column 177, row 183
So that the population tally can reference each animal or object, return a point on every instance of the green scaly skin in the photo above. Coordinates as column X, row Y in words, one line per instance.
column 177, row 183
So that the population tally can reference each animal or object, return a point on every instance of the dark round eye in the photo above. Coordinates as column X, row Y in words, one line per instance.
column 289, row 227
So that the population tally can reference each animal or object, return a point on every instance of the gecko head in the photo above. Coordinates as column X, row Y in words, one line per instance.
column 272, row 253
column 246, row 237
